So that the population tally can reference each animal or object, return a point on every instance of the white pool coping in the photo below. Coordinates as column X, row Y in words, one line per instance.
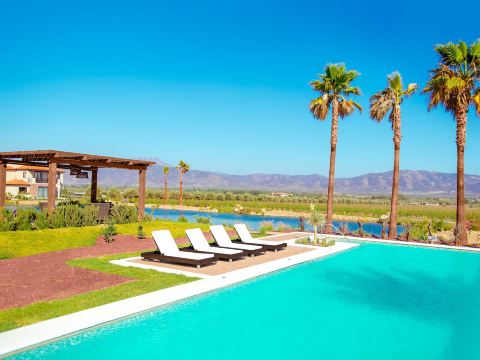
column 407, row 243
column 33, row 335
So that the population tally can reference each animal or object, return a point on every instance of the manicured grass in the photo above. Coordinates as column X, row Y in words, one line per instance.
column 23, row 243
column 176, row 228
column 143, row 281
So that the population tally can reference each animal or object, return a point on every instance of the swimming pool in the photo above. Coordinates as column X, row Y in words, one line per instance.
column 373, row 302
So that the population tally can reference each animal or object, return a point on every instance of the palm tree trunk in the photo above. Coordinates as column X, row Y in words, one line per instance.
column 331, row 173
column 461, row 236
column 166, row 189
column 181, row 188
column 392, row 228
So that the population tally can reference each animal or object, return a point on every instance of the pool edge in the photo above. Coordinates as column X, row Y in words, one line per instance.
column 31, row 336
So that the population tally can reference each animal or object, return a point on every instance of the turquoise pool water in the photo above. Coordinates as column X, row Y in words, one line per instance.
column 372, row 302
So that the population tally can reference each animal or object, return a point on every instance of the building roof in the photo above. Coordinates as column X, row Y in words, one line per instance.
column 30, row 168
column 71, row 160
column 18, row 182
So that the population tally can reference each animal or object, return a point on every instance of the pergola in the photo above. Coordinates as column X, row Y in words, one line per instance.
column 79, row 165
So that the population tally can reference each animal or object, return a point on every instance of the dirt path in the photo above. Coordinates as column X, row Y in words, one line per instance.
column 43, row 277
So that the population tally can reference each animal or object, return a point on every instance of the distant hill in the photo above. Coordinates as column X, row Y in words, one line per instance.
column 415, row 182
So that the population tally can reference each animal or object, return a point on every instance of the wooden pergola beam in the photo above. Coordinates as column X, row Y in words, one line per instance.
column 52, row 186
column 3, row 183
column 94, row 186
column 142, row 180
column 99, row 164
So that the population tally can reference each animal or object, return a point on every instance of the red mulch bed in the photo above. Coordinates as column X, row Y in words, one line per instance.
column 44, row 277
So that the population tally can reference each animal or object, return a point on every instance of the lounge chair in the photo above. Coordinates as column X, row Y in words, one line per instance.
column 168, row 251
column 223, row 239
column 200, row 244
column 247, row 238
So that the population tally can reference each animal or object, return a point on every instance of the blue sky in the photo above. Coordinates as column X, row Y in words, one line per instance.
column 223, row 85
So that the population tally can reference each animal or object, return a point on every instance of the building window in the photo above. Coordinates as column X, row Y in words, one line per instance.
column 24, row 174
column 42, row 192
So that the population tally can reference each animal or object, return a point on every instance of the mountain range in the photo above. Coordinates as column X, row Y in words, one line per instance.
column 413, row 182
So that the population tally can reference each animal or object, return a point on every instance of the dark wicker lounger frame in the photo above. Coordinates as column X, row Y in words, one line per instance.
column 270, row 247
column 157, row 256
column 229, row 257
column 260, row 251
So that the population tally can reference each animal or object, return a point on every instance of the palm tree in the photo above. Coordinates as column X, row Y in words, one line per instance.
column 166, row 170
column 388, row 101
column 317, row 220
column 183, row 168
column 454, row 84
column 334, row 88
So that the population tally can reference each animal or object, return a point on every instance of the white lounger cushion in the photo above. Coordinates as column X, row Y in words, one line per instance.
column 245, row 235
column 200, row 243
column 222, row 239
column 168, row 247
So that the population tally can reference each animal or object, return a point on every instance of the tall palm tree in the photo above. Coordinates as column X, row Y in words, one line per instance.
column 166, row 170
column 334, row 87
column 386, row 101
column 454, row 84
column 183, row 168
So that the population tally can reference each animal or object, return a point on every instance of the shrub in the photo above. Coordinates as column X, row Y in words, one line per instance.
column 41, row 221
column 283, row 227
column 419, row 231
column 90, row 215
column 25, row 218
column 203, row 219
column 182, row 219
column 73, row 215
column 141, row 233
column 326, row 242
column 441, row 225
column 122, row 214
column 265, row 226
column 109, row 233
column 56, row 219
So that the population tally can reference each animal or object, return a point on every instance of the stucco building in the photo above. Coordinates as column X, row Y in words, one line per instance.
column 31, row 181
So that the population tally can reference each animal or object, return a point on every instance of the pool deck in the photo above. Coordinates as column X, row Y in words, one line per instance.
column 53, row 329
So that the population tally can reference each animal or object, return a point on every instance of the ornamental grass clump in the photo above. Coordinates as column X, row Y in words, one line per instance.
column 141, row 233
column 109, row 233
column 122, row 214
column 317, row 220
column 266, row 226
column 203, row 219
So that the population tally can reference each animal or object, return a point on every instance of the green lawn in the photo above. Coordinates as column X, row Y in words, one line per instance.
column 144, row 281
column 23, row 243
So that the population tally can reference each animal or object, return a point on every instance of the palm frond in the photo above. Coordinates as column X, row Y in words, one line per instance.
column 352, row 90
column 395, row 81
column 474, row 50
column 411, row 88
column 455, row 82
column 476, row 101
column 450, row 54
column 319, row 107
column 346, row 107
column 381, row 103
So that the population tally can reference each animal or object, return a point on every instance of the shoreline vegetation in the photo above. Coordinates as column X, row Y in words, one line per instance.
column 364, row 208
column 422, row 216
